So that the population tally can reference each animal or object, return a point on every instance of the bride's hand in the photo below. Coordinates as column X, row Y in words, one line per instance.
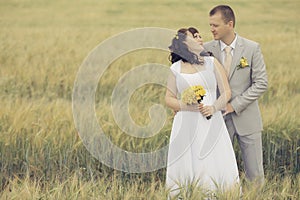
column 206, row 110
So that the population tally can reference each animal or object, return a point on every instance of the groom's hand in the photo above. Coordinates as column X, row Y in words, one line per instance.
column 228, row 109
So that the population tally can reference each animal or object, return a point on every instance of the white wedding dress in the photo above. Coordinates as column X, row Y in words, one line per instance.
column 200, row 149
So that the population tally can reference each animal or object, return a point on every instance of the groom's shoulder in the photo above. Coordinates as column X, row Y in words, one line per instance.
column 248, row 42
column 210, row 43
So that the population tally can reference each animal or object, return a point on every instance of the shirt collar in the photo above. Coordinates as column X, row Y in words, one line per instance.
column 232, row 45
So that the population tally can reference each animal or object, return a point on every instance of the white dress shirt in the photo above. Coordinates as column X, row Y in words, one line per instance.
column 223, row 45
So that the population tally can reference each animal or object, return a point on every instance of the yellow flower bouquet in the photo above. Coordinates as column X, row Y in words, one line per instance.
column 193, row 95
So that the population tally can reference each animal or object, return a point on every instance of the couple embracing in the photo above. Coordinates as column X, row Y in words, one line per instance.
column 227, row 85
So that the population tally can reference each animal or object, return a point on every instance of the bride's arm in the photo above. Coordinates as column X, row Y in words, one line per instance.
column 224, row 89
column 171, row 97
column 223, row 85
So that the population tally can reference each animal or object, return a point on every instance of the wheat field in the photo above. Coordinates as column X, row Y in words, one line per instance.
column 43, row 45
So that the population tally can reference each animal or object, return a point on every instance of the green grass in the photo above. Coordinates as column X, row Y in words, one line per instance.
column 42, row 47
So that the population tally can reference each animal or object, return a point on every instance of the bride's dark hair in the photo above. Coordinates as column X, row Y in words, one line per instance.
column 180, row 51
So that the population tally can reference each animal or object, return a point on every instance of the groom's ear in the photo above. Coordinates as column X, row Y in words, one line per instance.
column 230, row 23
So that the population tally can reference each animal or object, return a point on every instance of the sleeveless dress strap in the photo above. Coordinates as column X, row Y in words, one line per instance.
column 175, row 68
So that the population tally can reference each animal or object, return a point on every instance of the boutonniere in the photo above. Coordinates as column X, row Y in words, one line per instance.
column 243, row 63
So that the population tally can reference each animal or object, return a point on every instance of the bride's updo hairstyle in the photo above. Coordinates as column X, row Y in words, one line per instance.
column 179, row 49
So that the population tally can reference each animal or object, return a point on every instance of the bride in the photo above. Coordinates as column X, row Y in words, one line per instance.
column 200, row 149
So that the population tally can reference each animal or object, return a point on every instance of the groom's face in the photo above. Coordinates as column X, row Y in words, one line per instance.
column 218, row 27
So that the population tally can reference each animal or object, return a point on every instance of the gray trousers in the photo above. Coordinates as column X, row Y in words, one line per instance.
column 251, row 149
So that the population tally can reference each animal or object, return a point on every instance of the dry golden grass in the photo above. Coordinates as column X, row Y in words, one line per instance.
column 42, row 47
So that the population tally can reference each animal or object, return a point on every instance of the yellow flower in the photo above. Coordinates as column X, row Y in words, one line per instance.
column 176, row 36
column 243, row 63
column 193, row 94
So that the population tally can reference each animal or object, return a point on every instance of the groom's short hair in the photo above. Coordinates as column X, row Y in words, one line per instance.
column 226, row 11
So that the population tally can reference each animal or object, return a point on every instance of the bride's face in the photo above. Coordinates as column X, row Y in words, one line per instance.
column 192, row 44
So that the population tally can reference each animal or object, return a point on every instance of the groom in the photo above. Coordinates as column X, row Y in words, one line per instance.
column 247, row 77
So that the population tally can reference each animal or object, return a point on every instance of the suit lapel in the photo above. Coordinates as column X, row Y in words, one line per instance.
column 216, row 50
column 239, row 49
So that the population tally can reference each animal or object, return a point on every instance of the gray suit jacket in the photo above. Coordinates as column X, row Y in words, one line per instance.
column 247, row 84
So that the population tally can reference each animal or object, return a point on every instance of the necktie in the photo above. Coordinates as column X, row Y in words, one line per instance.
column 228, row 59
